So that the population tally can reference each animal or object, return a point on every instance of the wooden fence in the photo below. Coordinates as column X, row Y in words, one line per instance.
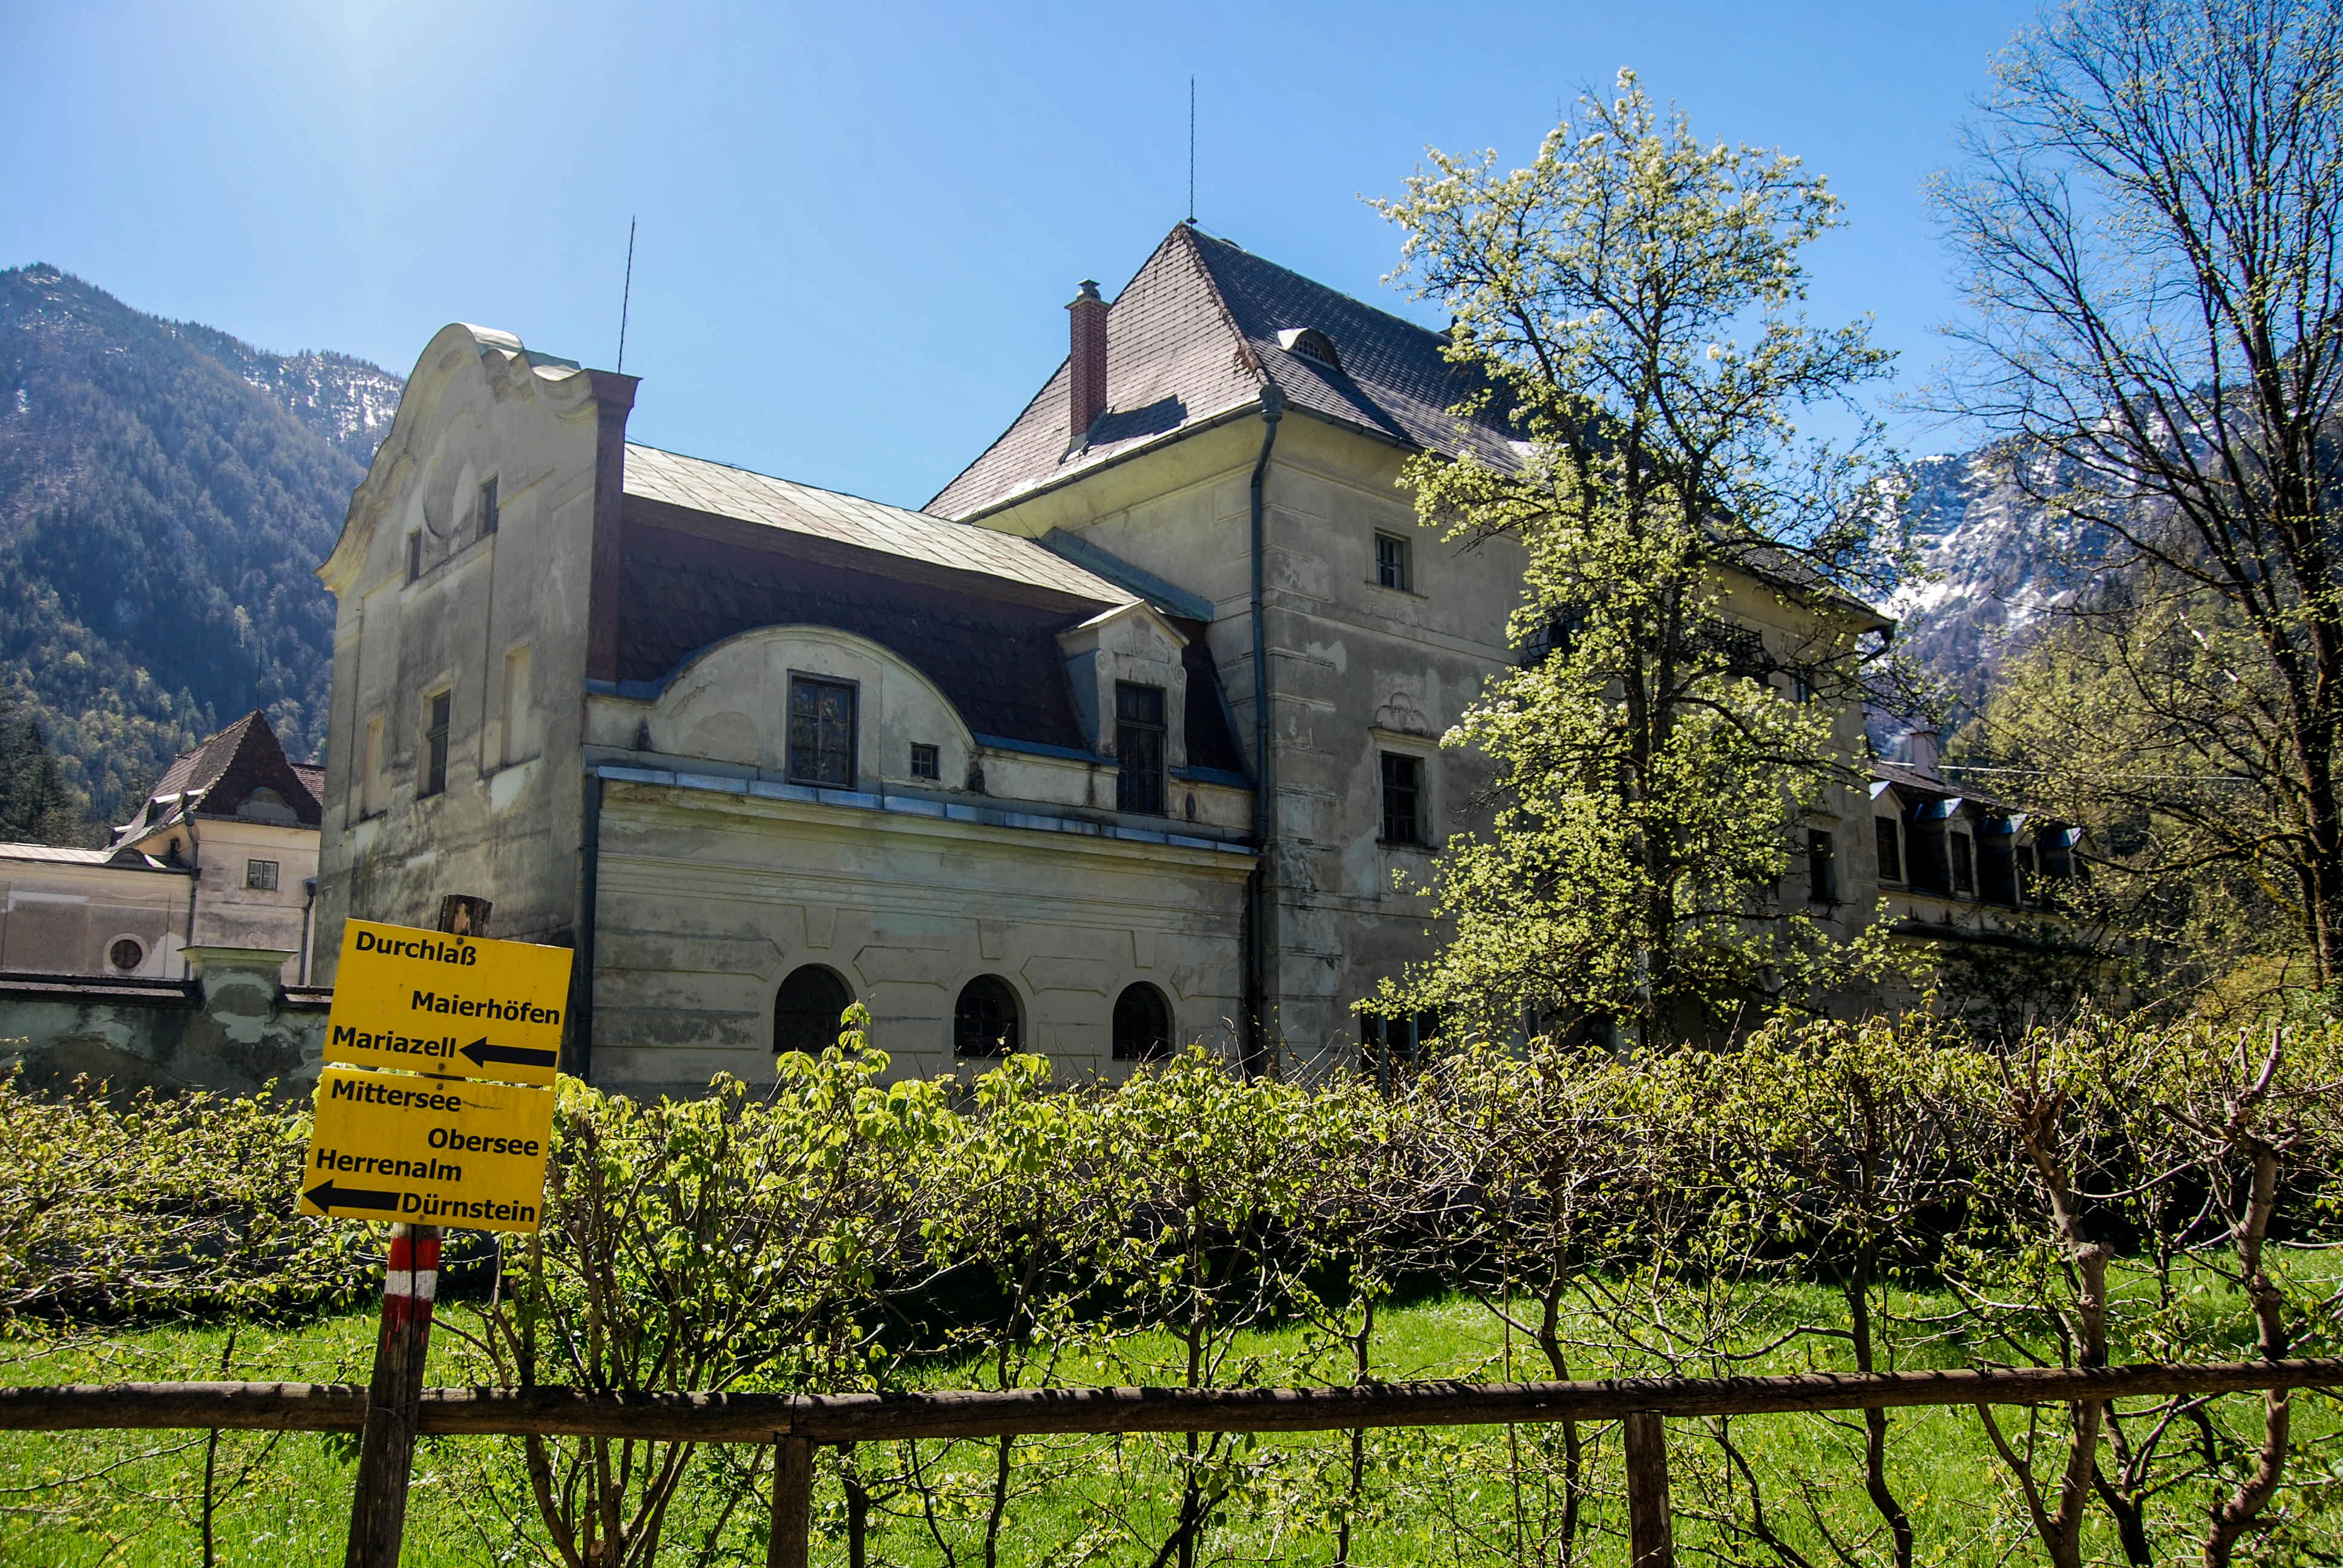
column 796, row 1422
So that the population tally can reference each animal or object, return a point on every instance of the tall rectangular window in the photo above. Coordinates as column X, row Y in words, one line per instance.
column 414, row 555
column 1929, row 863
column 821, row 731
column 372, row 796
column 1402, row 798
column 1392, row 562
column 490, row 513
column 435, row 743
column 1963, row 864
column 260, row 876
column 1891, row 857
column 1139, row 748
column 1822, row 867
column 1997, row 869
column 518, row 740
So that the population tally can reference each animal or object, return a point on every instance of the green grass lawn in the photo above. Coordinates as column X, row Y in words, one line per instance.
column 1466, row 1497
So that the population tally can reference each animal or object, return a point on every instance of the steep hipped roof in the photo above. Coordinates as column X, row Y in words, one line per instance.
column 1200, row 332
column 216, row 777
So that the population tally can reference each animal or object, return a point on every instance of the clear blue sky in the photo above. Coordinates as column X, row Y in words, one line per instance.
column 860, row 223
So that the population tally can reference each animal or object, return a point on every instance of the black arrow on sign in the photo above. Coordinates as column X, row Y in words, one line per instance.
column 482, row 1054
column 326, row 1195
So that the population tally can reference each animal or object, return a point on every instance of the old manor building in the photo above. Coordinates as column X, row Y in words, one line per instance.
column 1121, row 742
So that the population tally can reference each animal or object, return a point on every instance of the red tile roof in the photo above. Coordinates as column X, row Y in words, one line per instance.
column 216, row 777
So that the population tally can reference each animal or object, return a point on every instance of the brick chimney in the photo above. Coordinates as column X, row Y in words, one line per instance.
column 1086, row 361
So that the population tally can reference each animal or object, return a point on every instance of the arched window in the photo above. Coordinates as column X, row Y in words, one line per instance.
column 984, row 1021
column 1143, row 1024
column 805, row 1013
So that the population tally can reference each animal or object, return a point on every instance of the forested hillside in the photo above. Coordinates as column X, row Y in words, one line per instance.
column 165, row 492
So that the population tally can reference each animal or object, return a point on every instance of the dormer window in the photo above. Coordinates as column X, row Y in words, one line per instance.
column 265, row 805
column 1310, row 343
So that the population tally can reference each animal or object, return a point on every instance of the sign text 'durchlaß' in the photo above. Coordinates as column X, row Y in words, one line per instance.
column 426, row 1002
column 428, row 1150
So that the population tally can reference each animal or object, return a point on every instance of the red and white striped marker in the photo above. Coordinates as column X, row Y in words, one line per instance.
column 411, row 1281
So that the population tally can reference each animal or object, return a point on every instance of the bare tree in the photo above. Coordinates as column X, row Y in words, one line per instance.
column 2150, row 217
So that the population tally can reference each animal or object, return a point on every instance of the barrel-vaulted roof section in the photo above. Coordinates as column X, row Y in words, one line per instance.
column 700, row 486
column 1198, row 333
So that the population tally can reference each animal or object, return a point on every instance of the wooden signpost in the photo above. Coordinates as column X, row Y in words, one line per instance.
column 435, row 1109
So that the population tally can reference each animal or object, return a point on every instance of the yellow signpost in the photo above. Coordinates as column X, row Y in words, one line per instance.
column 429, row 1143
column 428, row 1150
column 424, row 1001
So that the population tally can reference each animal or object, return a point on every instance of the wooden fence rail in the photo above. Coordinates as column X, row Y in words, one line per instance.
column 881, row 1417
column 795, row 1422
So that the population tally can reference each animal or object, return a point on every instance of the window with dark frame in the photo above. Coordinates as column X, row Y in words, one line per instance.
column 1885, row 835
column 2055, row 853
column 1392, row 563
column 807, row 1008
column 821, row 732
column 1390, row 1047
column 1143, row 1024
column 491, row 513
column 1402, row 798
column 126, row 954
column 1139, row 748
column 1822, row 867
column 1556, row 638
column 926, row 762
column 260, row 876
column 984, row 1019
column 1963, row 865
column 434, row 745
column 414, row 555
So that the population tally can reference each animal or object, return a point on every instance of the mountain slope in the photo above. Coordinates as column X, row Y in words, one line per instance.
column 1999, row 563
column 165, row 493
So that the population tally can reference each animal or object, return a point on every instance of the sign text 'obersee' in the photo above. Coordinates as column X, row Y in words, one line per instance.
column 428, row 1150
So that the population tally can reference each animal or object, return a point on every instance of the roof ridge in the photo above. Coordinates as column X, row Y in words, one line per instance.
column 1321, row 287
column 1246, row 356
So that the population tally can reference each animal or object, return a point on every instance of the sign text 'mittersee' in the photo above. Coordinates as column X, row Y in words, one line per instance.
column 430, row 1002
column 429, row 1152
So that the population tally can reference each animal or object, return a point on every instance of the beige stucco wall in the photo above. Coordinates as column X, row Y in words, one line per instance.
column 710, row 897
column 506, row 825
column 1355, row 670
column 61, row 918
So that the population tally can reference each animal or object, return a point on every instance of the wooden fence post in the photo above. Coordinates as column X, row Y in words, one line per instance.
column 792, row 1503
column 1651, row 1529
column 410, row 1282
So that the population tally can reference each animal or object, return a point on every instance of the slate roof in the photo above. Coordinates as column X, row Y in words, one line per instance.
column 975, row 611
column 1196, row 335
column 715, row 488
column 1918, row 785
column 216, row 777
